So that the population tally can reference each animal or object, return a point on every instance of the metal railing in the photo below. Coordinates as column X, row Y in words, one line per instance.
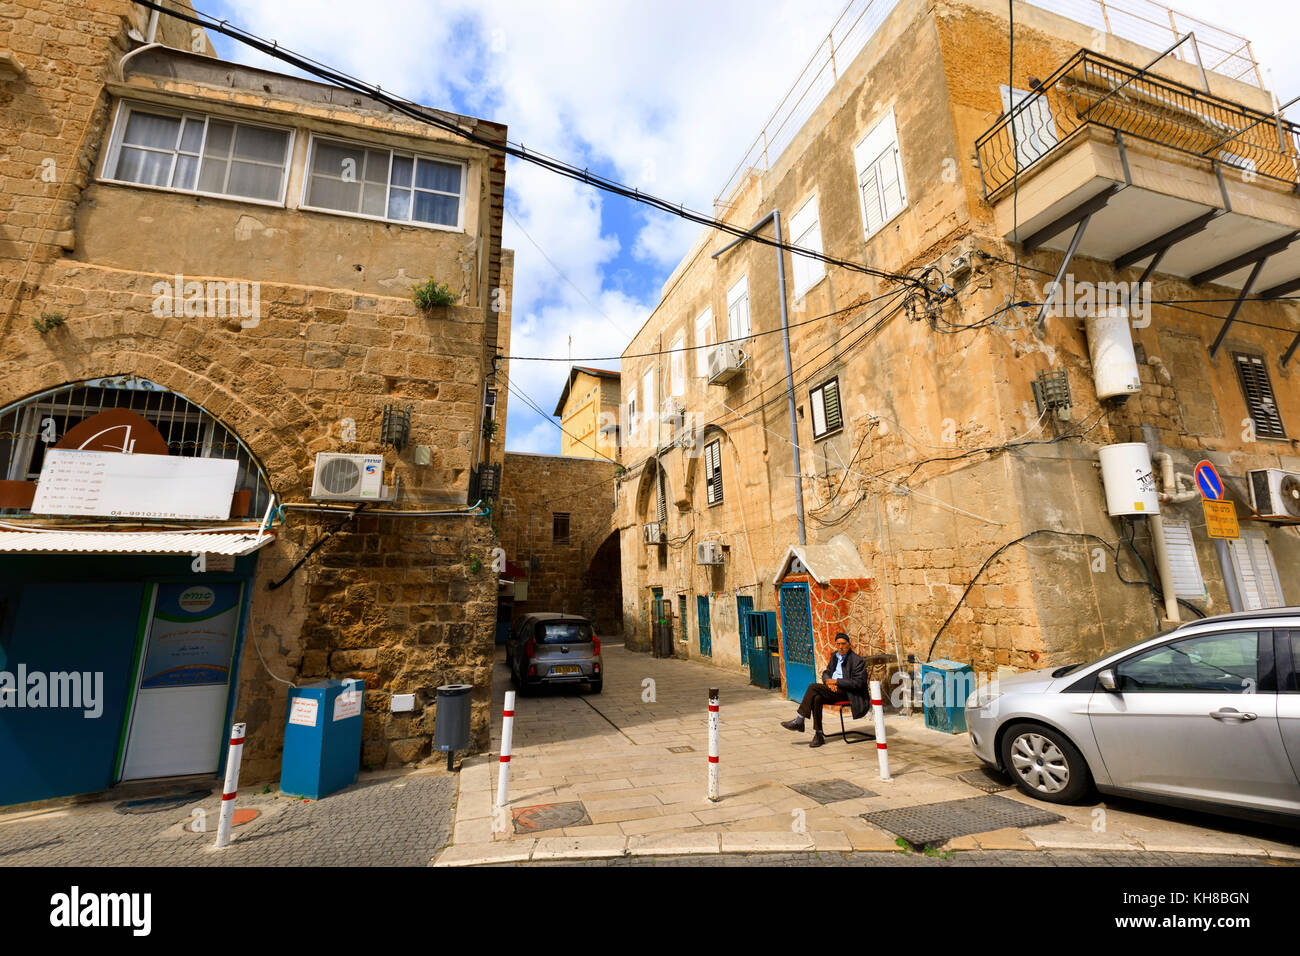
column 1091, row 90
column 1142, row 21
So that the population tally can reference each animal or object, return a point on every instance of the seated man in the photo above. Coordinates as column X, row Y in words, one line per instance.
column 845, row 678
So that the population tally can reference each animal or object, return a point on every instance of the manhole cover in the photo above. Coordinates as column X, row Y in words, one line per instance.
column 240, row 817
column 830, row 791
column 550, row 816
column 682, row 750
column 986, row 779
column 934, row 823
column 158, row 804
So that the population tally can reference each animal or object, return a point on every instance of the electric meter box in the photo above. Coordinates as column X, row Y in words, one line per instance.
column 322, row 738
column 1129, row 479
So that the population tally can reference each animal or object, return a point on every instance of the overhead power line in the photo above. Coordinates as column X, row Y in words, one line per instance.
column 517, row 150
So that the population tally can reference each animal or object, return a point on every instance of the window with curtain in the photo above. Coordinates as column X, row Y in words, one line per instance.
column 384, row 184
column 191, row 152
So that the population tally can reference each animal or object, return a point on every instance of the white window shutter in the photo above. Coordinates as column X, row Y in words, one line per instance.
column 1186, row 569
column 817, row 401
column 1256, row 576
column 703, row 338
column 873, row 216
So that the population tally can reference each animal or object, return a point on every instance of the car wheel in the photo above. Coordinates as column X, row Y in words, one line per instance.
column 1044, row 764
column 596, row 685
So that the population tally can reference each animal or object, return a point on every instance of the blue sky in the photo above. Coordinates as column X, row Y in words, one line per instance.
column 664, row 96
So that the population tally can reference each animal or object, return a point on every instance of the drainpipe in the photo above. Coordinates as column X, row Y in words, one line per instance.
column 1159, row 543
column 775, row 217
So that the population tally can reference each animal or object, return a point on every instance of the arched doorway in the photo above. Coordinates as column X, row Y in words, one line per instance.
column 603, row 587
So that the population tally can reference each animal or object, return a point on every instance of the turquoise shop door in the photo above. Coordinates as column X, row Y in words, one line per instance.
column 796, row 639
column 706, row 632
column 67, row 628
column 744, row 605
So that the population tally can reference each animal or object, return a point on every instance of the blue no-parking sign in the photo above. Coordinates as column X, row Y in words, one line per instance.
column 1208, row 480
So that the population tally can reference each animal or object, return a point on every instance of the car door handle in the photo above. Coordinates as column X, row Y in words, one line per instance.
column 1228, row 713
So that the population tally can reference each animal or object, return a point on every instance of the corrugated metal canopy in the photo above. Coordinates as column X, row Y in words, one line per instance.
column 132, row 542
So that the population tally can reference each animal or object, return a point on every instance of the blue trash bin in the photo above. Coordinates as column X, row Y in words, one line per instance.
column 945, row 685
column 322, row 738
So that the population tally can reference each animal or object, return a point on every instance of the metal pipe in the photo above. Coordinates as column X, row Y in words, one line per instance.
column 775, row 217
column 1163, row 568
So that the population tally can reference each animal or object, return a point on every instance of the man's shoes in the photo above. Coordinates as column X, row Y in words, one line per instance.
column 817, row 740
column 794, row 723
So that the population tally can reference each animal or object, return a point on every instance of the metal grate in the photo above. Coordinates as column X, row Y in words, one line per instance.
column 831, row 791
column 28, row 427
column 934, row 823
column 986, row 779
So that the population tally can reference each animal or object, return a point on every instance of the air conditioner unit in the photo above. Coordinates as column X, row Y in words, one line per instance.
column 1275, row 493
column 671, row 411
column 725, row 363
column 348, row 477
column 708, row 552
column 652, row 533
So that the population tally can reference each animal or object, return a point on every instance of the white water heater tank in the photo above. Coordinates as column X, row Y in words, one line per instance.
column 1129, row 480
column 1110, row 346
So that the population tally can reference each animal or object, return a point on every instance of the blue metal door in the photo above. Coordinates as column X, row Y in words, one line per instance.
column 706, row 634
column 796, row 639
column 744, row 605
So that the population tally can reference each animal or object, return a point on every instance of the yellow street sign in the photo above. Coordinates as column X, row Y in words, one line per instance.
column 1221, row 519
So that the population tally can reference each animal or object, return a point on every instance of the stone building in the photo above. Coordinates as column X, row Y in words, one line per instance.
column 904, row 416
column 555, row 524
column 206, row 278
column 588, row 411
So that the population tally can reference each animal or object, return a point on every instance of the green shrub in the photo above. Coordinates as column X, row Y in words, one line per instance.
column 431, row 293
column 48, row 321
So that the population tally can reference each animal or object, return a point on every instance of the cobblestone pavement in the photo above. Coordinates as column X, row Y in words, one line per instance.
column 386, row 819
column 621, row 775
column 957, row 859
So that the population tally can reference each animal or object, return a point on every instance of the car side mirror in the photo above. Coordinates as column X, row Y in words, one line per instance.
column 1106, row 679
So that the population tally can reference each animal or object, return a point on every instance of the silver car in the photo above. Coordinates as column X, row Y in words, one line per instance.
column 553, row 648
column 1206, row 716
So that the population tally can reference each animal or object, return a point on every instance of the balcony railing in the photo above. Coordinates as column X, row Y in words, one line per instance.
column 1091, row 90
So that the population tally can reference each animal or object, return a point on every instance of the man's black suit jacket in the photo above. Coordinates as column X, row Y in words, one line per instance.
column 853, row 684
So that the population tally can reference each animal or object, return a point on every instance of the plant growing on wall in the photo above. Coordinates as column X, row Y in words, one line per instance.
column 431, row 292
column 489, row 428
column 475, row 564
column 48, row 321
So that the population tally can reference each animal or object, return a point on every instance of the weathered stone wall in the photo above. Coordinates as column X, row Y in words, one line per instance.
column 570, row 577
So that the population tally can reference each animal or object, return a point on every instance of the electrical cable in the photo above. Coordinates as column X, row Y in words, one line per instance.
column 431, row 117
column 527, row 400
column 275, row 585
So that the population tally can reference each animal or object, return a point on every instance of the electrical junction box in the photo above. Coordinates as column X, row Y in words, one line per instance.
column 322, row 738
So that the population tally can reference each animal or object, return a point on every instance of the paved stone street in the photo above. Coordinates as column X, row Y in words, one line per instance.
column 621, row 775
column 386, row 819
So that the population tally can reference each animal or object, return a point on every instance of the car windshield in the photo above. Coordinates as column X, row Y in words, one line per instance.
column 563, row 632
column 1071, row 668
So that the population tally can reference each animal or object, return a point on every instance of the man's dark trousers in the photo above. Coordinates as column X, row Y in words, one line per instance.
column 813, row 698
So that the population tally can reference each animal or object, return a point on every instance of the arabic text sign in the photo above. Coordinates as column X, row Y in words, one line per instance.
column 115, row 485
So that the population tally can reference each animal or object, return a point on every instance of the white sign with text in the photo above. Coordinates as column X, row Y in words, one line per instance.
column 116, row 485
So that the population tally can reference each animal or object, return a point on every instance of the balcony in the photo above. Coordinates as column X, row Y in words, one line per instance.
column 1118, row 164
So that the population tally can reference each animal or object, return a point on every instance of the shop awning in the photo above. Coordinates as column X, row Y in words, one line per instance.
column 234, row 543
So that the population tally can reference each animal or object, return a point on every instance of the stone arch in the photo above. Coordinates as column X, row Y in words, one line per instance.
column 203, row 370
column 645, row 489
column 695, row 462
column 603, row 586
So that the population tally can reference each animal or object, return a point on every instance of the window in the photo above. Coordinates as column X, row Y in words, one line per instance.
column 677, row 364
column 384, row 184
column 648, row 386
column 631, row 414
column 560, row 528
column 563, row 632
column 1186, row 569
column 703, row 338
column 880, row 175
column 738, row 309
column 191, row 152
column 806, row 230
column 713, row 471
column 826, row 414
column 1252, row 566
column 1258, row 389
column 1225, row 663
column 1034, row 131
column 661, row 500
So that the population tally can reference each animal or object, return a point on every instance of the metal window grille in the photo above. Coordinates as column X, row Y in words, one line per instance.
column 29, row 427
column 1258, row 389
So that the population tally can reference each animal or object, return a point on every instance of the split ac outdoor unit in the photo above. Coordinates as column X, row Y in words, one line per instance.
column 1275, row 493
column 348, row 477
column 708, row 552
column 652, row 533
column 725, row 363
column 671, row 411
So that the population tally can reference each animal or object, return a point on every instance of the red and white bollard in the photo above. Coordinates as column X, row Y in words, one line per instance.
column 507, row 739
column 713, row 744
column 878, row 711
column 233, row 759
